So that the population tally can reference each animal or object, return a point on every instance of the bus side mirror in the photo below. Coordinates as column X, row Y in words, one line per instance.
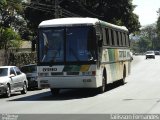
column 100, row 43
column 33, row 44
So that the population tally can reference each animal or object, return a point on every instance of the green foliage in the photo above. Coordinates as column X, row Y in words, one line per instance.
column 147, row 39
column 9, row 38
column 20, row 59
column 9, row 12
column 119, row 11
column 158, row 26
column 114, row 11
column 13, row 27
column 144, row 44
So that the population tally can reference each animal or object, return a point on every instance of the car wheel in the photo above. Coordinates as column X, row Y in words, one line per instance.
column 24, row 91
column 8, row 91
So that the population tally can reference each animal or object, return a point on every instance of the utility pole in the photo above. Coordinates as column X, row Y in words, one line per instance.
column 56, row 6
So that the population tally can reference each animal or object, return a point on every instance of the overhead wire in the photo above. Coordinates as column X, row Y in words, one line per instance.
column 35, row 7
column 51, row 8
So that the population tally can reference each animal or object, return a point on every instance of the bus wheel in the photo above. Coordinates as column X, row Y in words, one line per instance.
column 102, row 89
column 55, row 91
column 124, row 76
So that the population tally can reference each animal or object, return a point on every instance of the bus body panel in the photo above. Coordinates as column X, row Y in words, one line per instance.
column 114, row 60
column 69, row 76
column 75, row 58
column 70, row 82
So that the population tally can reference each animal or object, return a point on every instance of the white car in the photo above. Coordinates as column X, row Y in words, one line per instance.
column 150, row 54
column 12, row 80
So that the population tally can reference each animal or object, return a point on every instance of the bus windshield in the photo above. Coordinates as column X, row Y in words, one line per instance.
column 69, row 44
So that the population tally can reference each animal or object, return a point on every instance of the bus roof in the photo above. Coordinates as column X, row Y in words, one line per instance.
column 59, row 22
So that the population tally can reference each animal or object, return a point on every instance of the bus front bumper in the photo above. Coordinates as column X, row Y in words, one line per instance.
column 70, row 82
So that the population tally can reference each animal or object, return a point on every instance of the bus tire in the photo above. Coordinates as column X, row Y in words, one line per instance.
column 102, row 89
column 55, row 91
column 124, row 76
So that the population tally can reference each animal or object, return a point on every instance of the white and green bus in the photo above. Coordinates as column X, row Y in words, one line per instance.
column 81, row 53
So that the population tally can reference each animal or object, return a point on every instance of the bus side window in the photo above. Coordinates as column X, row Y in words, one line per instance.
column 112, row 38
column 118, row 41
column 107, row 36
column 115, row 38
column 122, row 39
column 127, row 39
column 119, row 37
column 104, row 36
column 98, row 33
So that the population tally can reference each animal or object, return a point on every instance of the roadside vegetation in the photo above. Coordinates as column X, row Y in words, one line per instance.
column 19, row 19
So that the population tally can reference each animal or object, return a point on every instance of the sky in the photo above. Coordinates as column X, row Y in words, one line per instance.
column 147, row 11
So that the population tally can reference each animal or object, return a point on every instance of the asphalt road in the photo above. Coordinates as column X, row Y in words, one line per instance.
column 140, row 94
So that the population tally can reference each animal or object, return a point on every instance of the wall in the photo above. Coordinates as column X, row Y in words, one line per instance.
column 12, row 57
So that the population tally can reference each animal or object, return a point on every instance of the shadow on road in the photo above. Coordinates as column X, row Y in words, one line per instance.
column 67, row 94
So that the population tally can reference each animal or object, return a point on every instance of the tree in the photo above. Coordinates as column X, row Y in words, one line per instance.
column 9, row 13
column 158, row 24
column 9, row 39
column 11, row 23
column 118, row 12
column 144, row 44
column 36, row 12
column 150, row 33
column 146, row 39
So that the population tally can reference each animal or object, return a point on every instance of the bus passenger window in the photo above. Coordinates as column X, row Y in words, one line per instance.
column 127, row 39
column 98, row 33
column 112, row 37
column 117, row 38
column 123, row 39
column 107, row 36
column 104, row 36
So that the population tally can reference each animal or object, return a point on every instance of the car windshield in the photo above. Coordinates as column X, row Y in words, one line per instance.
column 3, row 72
column 71, row 44
column 149, row 52
column 29, row 69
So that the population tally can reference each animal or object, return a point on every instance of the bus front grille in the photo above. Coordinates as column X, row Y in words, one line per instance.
column 72, row 73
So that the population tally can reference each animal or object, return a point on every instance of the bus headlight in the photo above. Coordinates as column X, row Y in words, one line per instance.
column 43, row 74
column 89, row 73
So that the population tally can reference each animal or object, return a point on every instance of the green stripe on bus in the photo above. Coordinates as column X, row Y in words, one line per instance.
column 72, row 68
column 111, row 53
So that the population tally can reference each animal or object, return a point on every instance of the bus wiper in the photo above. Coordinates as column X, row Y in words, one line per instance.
column 92, row 57
column 74, row 54
column 45, row 46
